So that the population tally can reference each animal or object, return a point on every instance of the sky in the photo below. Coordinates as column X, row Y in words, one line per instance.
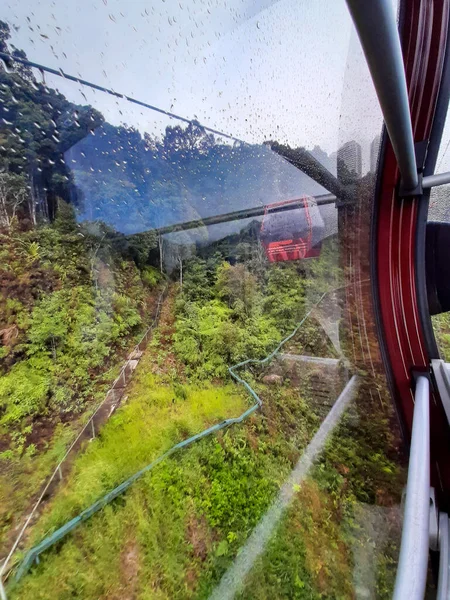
column 289, row 70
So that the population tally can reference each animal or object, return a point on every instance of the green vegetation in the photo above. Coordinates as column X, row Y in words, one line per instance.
column 176, row 530
column 441, row 327
column 71, row 306
column 227, row 313
column 308, row 557
column 74, row 298
column 314, row 551
column 22, row 477
column 174, row 533
column 68, row 303
column 153, row 420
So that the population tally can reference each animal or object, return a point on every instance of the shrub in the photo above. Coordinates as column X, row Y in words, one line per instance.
column 150, row 276
column 24, row 391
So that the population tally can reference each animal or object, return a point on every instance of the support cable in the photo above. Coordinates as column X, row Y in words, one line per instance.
column 4, row 56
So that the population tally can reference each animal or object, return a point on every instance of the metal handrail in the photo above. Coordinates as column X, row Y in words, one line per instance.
column 376, row 25
column 413, row 562
column 437, row 179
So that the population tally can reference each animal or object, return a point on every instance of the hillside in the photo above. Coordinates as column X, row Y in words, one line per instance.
column 71, row 306
column 185, row 176
column 175, row 531
column 241, row 367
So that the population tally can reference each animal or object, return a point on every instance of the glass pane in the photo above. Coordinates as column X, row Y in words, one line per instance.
column 185, row 303
column 439, row 218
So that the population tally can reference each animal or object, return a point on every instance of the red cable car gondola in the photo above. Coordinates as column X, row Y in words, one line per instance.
column 292, row 230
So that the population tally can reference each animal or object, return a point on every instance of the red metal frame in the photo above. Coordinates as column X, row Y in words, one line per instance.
column 424, row 37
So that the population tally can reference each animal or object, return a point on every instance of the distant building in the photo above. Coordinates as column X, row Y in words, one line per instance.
column 349, row 156
column 374, row 150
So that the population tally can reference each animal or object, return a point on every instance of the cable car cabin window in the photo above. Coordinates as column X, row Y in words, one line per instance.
column 438, row 239
column 292, row 230
column 185, row 302
column 437, row 244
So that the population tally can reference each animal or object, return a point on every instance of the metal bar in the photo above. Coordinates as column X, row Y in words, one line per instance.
column 246, row 213
column 413, row 562
column 236, row 215
column 434, row 180
column 443, row 579
column 376, row 25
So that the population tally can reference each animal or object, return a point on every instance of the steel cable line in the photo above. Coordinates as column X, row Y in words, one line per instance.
column 4, row 56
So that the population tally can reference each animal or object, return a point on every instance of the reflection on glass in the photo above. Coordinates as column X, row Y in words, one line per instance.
column 158, row 278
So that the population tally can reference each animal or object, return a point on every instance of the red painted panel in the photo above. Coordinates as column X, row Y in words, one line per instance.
column 424, row 41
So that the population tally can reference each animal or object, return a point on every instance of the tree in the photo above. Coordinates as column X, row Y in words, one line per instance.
column 13, row 196
column 285, row 300
column 191, row 140
column 5, row 34
column 37, row 125
column 196, row 284
column 140, row 246
column 237, row 286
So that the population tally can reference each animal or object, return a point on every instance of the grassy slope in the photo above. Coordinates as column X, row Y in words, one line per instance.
column 177, row 530
column 173, row 534
column 307, row 557
column 311, row 554
column 441, row 327
column 22, row 477
column 34, row 265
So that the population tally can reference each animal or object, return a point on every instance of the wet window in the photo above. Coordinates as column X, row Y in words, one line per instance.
column 190, row 373
column 438, row 232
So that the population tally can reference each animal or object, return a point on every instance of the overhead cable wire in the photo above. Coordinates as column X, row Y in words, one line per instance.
column 60, row 73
